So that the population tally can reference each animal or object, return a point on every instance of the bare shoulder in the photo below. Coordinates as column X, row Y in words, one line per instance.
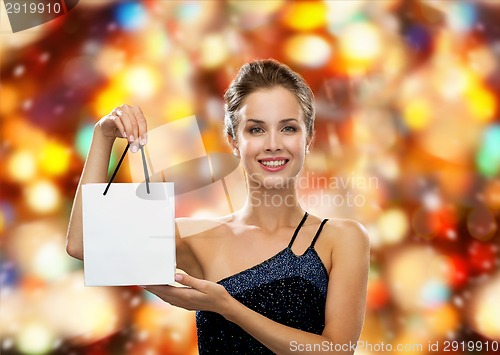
column 197, row 228
column 347, row 236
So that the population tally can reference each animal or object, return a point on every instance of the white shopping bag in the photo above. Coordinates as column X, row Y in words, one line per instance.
column 128, row 233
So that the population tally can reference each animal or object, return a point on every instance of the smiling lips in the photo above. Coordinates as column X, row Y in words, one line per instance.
column 273, row 164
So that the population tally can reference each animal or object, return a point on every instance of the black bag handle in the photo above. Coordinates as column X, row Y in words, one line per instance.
column 144, row 165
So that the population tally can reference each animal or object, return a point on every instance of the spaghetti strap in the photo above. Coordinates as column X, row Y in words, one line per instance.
column 318, row 232
column 297, row 229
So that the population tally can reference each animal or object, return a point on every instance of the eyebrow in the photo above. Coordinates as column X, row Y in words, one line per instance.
column 281, row 121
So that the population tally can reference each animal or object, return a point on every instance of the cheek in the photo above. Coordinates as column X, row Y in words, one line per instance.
column 249, row 146
column 296, row 144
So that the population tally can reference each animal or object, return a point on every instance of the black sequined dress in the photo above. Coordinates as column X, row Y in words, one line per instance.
column 287, row 288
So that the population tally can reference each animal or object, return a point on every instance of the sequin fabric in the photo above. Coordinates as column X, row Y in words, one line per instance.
column 287, row 288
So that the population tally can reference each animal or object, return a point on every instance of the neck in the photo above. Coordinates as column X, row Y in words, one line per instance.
column 272, row 208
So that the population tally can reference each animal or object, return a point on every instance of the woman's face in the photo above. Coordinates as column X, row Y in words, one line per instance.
column 271, row 137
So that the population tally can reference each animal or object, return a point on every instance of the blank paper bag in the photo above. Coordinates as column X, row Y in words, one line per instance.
column 128, row 234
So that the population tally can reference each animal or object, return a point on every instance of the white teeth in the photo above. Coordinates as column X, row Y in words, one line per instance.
column 274, row 163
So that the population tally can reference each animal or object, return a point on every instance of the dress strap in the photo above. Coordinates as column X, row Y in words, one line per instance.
column 318, row 232
column 297, row 229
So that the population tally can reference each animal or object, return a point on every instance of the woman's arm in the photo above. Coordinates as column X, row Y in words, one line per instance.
column 125, row 121
column 345, row 304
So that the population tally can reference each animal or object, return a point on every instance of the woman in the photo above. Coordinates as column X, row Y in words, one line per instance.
column 269, row 277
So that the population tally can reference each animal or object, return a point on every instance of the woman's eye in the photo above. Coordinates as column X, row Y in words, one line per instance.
column 289, row 129
column 256, row 130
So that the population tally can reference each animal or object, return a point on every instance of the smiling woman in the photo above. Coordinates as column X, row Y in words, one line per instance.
column 261, row 279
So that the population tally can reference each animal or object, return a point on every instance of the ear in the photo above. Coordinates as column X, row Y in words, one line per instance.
column 309, row 140
column 232, row 142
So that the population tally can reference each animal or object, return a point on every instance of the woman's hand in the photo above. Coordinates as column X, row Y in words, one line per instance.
column 199, row 294
column 125, row 122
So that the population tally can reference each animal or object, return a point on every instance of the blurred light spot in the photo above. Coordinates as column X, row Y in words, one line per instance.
column 43, row 196
column 109, row 61
column 360, row 45
column 7, row 215
column 131, row 15
column 188, row 11
column 416, row 114
column 253, row 14
column 10, row 99
column 308, row 50
column 7, row 343
column 96, row 312
column 19, row 70
column 492, row 194
column 156, row 44
column 305, row 15
column 461, row 16
column 481, row 102
column 9, row 275
column 422, row 224
column 431, row 201
column 389, row 167
column 393, row 226
column 27, row 104
column 409, row 272
column 16, row 129
column 434, row 293
column 44, row 57
column 177, row 109
column 452, row 81
column 484, row 311
column 340, row 13
column 377, row 294
column 482, row 256
column 51, row 261
column 174, row 325
column 34, row 338
column 22, row 166
column 488, row 155
column 418, row 39
column 442, row 321
column 214, row 51
column 54, row 159
column 141, row 81
column 481, row 223
column 459, row 270
column 83, row 140
column 80, row 72
column 112, row 96
column 482, row 61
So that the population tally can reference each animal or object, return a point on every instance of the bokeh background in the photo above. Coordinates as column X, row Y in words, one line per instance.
column 406, row 94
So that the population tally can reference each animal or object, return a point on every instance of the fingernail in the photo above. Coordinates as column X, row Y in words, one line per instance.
column 178, row 277
column 143, row 140
column 134, row 148
column 124, row 134
column 131, row 138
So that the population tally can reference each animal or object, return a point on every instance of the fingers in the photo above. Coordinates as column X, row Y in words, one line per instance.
column 132, row 124
column 190, row 281
column 119, row 125
column 177, row 296
column 141, row 124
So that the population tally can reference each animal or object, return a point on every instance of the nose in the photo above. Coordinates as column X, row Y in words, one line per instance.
column 273, row 142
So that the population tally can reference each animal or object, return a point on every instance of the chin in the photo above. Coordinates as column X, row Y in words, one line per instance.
column 273, row 182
